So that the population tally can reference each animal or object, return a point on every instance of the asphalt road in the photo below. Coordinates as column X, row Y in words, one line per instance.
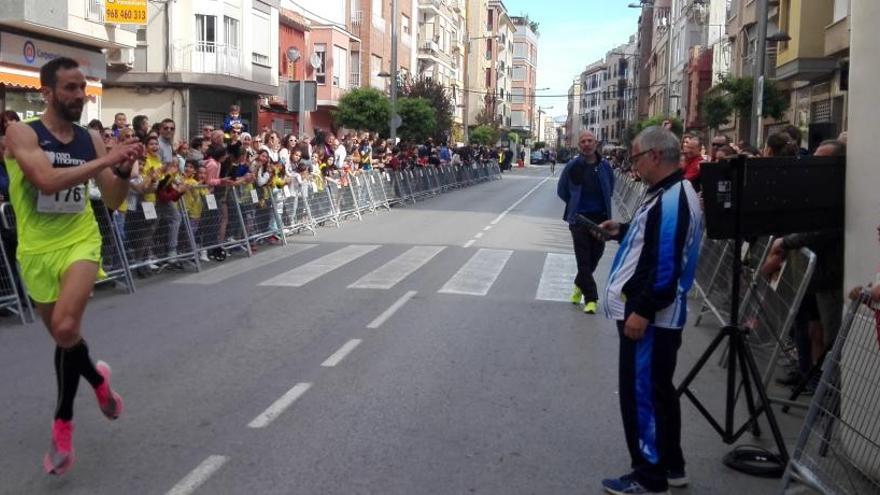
column 420, row 351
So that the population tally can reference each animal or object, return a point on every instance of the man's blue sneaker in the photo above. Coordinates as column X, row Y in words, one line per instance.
column 677, row 478
column 627, row 485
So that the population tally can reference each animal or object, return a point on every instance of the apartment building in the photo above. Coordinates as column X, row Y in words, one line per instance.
column 32, row 32
column 574, row 123
column 717, row 40
column 370, row 23
column 592, row 81
column 618, row 101
column 814, row 65
column 524, row 117
column 478, row 58
column 500, row 72
column 194, row 59
column 642, row 59
column 441, row 51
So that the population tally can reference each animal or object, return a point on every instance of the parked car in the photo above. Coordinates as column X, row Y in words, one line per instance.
column 538, row 157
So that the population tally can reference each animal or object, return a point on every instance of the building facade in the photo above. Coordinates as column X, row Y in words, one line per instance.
column 32, row 33
column 440, row 52
column 478, row 59
column 370, row 23
column 499, row 74
column 592, row 83
column 524, row 117
column 195, row 59
column 574, row 123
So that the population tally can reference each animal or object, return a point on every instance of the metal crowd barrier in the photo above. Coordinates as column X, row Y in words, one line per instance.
column 838, row 449
column 212, row 222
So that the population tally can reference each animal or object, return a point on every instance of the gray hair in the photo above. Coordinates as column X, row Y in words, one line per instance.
column 662, row 141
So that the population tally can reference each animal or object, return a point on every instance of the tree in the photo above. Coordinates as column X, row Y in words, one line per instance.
column 538, row 145
column 363, row 109
column 734, row 95
column 418, row 117
column 484, row 135
column 717, row 110
column 439, row 99
column 677, row 126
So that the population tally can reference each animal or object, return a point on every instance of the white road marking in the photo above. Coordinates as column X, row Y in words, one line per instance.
column 388, row 313
column 339, row 355
column 557, row 277
column 486, row 228
column 279, row 406
column 520, row 200
column 312, row 270
column 229, row 270
column 469, row 243
column 393, row 272
column 198, row 476
column 478, row 275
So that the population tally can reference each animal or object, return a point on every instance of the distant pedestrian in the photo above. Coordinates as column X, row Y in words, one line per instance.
column 647, row 296
column 586, row 184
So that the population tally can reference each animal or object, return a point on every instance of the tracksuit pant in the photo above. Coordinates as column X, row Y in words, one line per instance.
column 587, row 252
column 649, row 404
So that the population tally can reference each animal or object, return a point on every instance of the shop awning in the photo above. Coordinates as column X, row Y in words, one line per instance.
column 31, row 80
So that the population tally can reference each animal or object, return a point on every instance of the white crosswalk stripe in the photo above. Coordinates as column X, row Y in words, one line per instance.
column 312, row 270
column 478, row 275
column 556, row 277
column 393, row 272
column 229, row 270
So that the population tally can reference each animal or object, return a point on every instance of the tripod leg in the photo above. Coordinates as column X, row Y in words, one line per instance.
column 702, row 361
column 755, row 375
column 747, row 388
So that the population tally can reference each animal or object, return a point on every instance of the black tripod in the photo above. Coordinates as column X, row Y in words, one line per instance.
column 739, row 360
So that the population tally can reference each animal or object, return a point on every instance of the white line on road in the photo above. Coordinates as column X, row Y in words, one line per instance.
column 388, row 313
column 487, row 228
column 393, row 272
column 520, row 200
column 479, row 235
column 230, row 270
column 339, row 355
column 469, row 243
column 198, row 476
column 304, row 274
column 279, row 406
column 478, row 275
column 556, row 277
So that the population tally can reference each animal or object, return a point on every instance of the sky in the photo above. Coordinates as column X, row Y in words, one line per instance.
column 573, row 34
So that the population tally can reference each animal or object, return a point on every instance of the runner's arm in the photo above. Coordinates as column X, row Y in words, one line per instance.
column 114, row 189
column 22, row 145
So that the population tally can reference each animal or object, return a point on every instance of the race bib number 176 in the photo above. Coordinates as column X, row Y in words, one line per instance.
column 71, row 200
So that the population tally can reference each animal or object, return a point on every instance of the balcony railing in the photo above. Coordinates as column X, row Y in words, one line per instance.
column 354, row 80
column 356, row 22
column 209, row 58
column 95, row 10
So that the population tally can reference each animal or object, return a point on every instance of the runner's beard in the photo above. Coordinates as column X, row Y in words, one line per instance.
column 70, row 111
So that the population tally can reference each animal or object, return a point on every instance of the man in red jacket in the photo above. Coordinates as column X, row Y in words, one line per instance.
column 691, row 159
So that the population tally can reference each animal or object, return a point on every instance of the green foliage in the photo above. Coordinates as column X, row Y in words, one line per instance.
column 513, row 137
column 363, row 109
column 439, row 99
column 419, row 119
column 677, row 126
column 484, row 134
column 717, row 110
column 738, row 92
column 538, row 145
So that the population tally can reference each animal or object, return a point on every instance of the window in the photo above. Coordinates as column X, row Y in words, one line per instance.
column 489, row 22
column 340, row 56
column 320, row 72
column 517, row 95
column 377, row 9
column 519, row 73
column 488, row 77
column 404, row 24
column 260, row 29
column 520, row 50
column 375, row 69
column 518, row 119
column 230, row 32
column 206, row 33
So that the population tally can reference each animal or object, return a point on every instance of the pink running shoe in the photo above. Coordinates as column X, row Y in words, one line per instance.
column 109, row 401
column 60, row 456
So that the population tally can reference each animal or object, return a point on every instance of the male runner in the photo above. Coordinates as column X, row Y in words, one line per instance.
column 50, row 161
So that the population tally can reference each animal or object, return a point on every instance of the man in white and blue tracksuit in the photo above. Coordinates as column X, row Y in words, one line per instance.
column 586, row 184
column 646, row 294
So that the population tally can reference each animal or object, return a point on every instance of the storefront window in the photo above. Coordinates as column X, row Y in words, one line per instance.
column 26, row 103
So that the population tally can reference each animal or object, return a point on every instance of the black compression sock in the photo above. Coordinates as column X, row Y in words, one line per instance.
column 67, row 376
column 86, row 366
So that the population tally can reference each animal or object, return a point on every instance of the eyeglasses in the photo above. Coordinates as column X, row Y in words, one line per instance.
column 108, row 135
column 635, row 157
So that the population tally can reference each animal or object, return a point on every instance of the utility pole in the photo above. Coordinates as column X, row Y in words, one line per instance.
column 393, row 120
column 755, row 130
column 667, row 103
column 465, row 94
